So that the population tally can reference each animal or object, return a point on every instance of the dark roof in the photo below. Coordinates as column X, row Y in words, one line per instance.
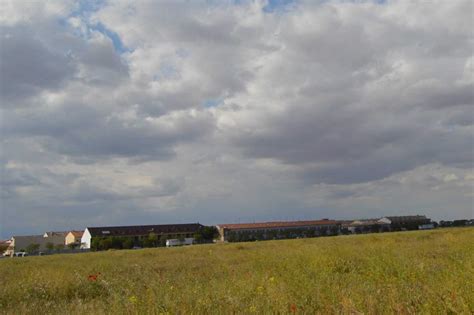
column 56, row 233
column 408, row 218
column 139, row 230
column 278, row 224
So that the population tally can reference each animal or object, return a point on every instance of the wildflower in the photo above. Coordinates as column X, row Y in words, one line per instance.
column 133, row 299
column 272, row 279
column 293, row 308
column 253, row 309
column 93, row 277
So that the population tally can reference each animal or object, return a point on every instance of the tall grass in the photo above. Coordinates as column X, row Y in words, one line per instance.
column 430, row 272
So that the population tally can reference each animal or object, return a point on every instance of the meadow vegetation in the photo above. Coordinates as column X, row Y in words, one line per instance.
column 429, row 272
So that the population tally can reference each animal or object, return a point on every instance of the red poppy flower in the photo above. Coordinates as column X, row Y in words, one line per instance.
column 93, row 277
column 293, row 308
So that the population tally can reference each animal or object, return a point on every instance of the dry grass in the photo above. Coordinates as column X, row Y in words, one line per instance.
column 428, row 272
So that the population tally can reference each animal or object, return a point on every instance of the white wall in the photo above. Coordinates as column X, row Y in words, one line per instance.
column 177, row 242
column 86, row 239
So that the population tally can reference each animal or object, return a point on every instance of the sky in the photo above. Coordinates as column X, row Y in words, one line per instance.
column 148, row 112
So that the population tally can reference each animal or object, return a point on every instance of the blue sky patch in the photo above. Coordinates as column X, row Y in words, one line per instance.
column 117, row 42
column 212, row 103
column 278, row 5
column 84, row 9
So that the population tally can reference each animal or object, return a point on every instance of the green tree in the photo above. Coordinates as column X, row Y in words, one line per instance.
column 153, row 239
column 95, row 244
column 72, row 246
column 334, row 230
column 206, row 234
column 162, row 241
column 59, row 247
column 128, row 243
column 32, row 248
column 105, row 243
column 50, row 246
column 117, row 242
column 198, row 238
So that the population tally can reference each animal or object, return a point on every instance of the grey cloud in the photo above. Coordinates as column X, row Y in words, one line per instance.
column 28, row 66
column 362, row 112
column 11, row 177
column 82, row 131
column 101, row 63
column 217, row 48
column 349, row 146
column 330, row 109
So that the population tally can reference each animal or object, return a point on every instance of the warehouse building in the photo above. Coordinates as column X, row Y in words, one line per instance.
column 138, row 232
column 242, row 232
column 407, row 222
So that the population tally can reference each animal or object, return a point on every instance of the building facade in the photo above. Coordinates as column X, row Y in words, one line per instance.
column 74, row 238
column 56, row 238
column 36, row 243
column 136, row 233
column 366, row 226
column 277, row 230
column 23, row 242
column 407, row 222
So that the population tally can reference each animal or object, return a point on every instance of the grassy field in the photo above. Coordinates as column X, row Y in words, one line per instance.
column 429, row 272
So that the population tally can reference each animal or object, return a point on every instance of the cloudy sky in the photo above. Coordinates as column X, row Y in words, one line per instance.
column 133, row 112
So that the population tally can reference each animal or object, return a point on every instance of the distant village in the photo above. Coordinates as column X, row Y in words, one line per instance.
column 169, row 235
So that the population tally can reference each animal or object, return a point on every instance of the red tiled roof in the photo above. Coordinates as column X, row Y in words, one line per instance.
column 77, row 233
column 277, row 224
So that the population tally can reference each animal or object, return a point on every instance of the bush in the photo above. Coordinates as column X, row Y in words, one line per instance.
column 50, row 246
column 32, row 248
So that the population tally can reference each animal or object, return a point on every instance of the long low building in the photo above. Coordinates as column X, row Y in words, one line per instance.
column 366, row 226
column 34, row 244
column 139, row 231
column 407, row 222
column 277, row 230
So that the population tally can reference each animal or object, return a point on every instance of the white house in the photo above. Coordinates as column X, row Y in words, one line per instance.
column 138, row 232
column 86, row 239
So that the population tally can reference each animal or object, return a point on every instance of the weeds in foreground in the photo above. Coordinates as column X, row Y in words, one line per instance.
column 429, row 272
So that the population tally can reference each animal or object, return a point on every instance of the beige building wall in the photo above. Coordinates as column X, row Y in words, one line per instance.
column 70, row 238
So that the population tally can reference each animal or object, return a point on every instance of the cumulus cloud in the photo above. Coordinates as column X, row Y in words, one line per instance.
column 211, row 111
